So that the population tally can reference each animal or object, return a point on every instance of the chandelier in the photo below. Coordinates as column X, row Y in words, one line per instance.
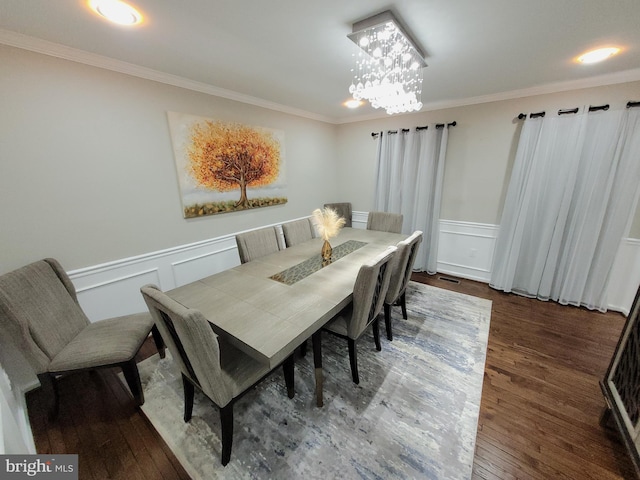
column 388, row 66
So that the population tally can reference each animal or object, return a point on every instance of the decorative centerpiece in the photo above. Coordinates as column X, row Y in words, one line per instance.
column 329, row 224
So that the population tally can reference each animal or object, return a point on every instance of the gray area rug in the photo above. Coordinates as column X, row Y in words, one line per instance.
column 414, row 414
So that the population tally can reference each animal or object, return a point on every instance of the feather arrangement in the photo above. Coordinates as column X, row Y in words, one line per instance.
column 328, row 222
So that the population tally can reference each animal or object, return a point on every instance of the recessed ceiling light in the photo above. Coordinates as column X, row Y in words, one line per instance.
column 353, row 103
column 598, row 55
column 116, row 11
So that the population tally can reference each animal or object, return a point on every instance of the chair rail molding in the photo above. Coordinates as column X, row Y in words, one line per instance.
column 97, row 286
column 465, row 250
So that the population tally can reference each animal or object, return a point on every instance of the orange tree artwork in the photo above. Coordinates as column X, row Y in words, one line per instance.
column 228, row 156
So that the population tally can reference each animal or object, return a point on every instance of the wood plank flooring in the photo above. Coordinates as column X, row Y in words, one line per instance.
column 99, row 421
column 541, row 402
column 539, row 417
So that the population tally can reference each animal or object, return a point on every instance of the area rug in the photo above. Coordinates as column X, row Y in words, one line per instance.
column 414, row 414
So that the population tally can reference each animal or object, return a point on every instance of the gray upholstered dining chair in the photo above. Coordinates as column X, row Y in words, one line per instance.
column 385, row 222
column 221, row 371
column 257, row 243
column 39, row 311
column 402, row 267
column 294, row 233
column 297, row 231
column 369, row 293
column 343, row 209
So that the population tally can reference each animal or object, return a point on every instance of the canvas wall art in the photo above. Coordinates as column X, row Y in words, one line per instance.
column 225, row 167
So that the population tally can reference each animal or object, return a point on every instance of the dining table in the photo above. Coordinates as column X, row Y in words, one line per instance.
column 270, row 306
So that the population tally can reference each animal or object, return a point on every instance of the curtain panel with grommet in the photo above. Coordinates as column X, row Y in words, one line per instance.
column 409, row 176
column 573, row 189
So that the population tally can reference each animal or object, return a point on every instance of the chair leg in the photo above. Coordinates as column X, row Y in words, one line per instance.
column 287, row 366
column 226, row 420
column 157, row 339
column 387, row 320
column 376, row 334
column 50, row 387
column 353, row 360
column 131, row 375
column 316, row 341
column 188, row 388
column 403, row 304
column 303, row 349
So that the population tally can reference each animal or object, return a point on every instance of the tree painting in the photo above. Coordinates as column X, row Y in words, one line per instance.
column 224, row 157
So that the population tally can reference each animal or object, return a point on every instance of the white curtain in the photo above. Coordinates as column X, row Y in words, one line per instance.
column 572, row 191
column 410, row 168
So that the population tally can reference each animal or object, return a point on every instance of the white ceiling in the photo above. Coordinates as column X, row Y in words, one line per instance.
column 296, row 54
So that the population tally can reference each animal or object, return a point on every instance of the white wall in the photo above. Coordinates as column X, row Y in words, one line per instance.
column 88, row 172
column 480, row 155
column 480, row 152
column 87, row 176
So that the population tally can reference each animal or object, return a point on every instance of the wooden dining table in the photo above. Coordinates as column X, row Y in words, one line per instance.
column 268, row 307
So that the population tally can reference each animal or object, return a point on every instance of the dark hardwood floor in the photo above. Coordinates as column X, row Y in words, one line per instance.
column 541, row 402
column 98, row 420
column 539, row 416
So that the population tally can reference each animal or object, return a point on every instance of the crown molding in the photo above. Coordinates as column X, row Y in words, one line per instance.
column 556, row 87
column 26, row 42
column 44, row 47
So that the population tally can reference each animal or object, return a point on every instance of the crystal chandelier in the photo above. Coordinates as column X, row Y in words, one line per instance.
column 388, row 66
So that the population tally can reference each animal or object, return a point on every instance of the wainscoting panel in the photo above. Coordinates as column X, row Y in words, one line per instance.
column 116, row 297
column 196, row 267
column 359, row 219
column 113, row 289
column 465, row 249
column 625, row 276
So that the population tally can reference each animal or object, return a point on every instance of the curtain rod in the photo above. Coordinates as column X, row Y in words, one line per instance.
column 522, row 116
column 406, row 130
column 576, row 109
column 592, row 108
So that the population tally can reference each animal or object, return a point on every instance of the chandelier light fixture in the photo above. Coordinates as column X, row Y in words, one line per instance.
column 388, row 66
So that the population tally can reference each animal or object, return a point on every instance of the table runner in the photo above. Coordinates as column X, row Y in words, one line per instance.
column 302, row 270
